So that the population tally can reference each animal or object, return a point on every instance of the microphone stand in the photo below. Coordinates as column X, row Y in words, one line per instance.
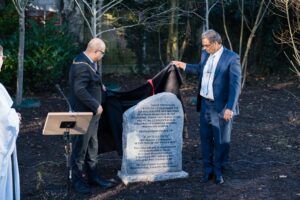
column 65, row 98
column 68, row 146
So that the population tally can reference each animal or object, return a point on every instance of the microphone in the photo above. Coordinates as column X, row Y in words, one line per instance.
column 62, row 93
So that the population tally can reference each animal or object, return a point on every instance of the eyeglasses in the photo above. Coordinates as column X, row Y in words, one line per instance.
column 3, row 57
column 207, row 45
column 103, row 53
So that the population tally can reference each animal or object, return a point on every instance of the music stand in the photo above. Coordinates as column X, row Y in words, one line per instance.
column 66, row 124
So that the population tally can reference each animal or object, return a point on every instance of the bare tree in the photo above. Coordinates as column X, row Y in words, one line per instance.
column 242, row 9
column 172, row 44
column 155, row 18
column 152, row 17
column 96, row 9
column 263, row 7
column 290, row 10
column 20, row 7
column 208, row 7
column 184, row 44
column 74, row 18
column 224, row 25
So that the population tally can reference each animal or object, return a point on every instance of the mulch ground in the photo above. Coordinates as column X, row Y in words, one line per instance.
column 265, row 150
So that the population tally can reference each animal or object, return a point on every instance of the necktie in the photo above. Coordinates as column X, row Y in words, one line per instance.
column 95, row 66
column 209, row 72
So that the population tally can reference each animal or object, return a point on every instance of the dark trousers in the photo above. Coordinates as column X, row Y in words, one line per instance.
column 85, row 150
column 215, row 137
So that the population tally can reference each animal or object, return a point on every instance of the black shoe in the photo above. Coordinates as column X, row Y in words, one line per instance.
column 223, row 169
column 206, row 177
column 81, row 187
column 219, row 180
column 105, row 184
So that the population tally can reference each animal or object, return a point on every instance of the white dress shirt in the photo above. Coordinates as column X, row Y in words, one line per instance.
column 94, row 63
column 206, row 90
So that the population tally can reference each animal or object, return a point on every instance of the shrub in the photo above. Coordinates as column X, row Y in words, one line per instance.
column 9, row 20
column 49, row 49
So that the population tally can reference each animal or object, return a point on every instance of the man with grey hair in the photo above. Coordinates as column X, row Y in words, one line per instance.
column 86, row 90
column 219, row 74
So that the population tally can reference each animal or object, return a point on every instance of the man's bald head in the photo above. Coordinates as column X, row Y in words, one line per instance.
column 95, row 49
column 95, row 44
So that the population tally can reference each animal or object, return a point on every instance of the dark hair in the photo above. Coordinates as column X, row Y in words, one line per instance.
column 212, row 36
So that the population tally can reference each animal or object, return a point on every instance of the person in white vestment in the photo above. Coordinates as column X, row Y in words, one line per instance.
column 9, row 129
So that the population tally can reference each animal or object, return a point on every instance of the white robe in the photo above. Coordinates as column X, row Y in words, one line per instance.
column 9, row 129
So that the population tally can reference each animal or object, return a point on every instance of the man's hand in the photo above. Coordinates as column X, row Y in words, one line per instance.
column 179, row 64
column 104, row 88
column 228, row 114
column 99, row 110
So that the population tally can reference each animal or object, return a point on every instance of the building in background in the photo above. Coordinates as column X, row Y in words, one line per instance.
column 43, row 10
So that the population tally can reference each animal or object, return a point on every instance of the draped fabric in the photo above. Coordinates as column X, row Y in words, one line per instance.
column 9, row 129
column 116, row 103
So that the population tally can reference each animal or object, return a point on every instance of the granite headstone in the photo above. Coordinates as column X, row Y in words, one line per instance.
column 152, row 140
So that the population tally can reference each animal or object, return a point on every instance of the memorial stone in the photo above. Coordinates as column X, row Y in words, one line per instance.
column 152, row 140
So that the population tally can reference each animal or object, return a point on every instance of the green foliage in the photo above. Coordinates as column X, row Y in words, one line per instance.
column 8, row 24
column 48, row 50
column 51, row 49
column 8, row 20
column 9, row 68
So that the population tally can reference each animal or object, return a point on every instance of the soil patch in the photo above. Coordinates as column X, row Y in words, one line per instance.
column 264, row 153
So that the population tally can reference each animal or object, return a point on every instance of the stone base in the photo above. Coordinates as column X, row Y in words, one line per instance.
column 151, row 177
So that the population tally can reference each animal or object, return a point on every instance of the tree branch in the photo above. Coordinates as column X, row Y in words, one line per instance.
column 84, row 17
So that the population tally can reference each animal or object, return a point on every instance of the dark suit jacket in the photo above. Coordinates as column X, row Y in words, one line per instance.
column 226, row 83
column 85, row 85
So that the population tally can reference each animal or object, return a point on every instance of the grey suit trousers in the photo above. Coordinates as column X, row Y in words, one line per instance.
column 85, row 148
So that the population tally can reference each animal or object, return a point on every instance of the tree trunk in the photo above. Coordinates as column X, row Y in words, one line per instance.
column 94, row 19
column 100, row 12
column 225, row 27
column 159, row 49
column 19, row 94
column 99, row 29
column 241, row 29
column 206, row 15
column 186, row 39
column 146, row 69
column 172, row 45
column 74, row 19
column 258, row 19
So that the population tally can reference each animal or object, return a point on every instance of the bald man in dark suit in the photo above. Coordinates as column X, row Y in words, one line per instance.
column 86, row 90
